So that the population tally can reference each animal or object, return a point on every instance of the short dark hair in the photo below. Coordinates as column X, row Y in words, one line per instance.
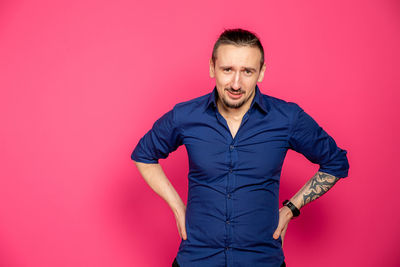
column 238, row 37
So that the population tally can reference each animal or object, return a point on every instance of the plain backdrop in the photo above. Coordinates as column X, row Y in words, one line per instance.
column 82, row 81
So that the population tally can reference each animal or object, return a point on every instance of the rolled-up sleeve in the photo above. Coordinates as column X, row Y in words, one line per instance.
column 309, row 139
column 163, row 138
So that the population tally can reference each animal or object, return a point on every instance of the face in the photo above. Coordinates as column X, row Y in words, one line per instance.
column 236, row 72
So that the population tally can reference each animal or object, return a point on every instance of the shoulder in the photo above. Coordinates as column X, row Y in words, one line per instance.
column 193, row 103
column 282, row 106
column 191, row 106
column 189, row 110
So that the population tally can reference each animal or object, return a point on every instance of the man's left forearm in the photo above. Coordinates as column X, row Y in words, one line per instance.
column 318, row 185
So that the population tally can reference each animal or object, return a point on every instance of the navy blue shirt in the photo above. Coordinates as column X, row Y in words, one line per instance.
column 233, row 196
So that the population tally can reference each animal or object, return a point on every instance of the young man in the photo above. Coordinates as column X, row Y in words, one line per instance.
column 236, row 139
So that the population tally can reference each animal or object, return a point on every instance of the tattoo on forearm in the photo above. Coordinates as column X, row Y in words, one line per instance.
column 317, row 186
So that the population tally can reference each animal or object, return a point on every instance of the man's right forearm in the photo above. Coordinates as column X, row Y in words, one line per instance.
column 155, row 177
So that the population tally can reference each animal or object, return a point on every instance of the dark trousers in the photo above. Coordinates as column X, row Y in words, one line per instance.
column 175, row 264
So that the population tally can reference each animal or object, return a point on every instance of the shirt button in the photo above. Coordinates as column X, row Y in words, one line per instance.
column 230, row 170
column 228, row 222
column 231, row 147
column 229, row 196
column 226, row 248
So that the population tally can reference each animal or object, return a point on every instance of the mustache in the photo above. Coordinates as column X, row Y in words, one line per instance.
column 233, row 90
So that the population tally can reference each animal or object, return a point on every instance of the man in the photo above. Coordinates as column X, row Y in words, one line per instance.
column 236, row 139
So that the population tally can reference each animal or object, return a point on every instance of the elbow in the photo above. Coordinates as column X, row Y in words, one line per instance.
column 337, row 166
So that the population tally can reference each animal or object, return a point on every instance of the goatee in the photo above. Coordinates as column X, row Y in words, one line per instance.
column 230, row 105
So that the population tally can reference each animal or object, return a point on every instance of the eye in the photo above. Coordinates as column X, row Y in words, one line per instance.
column 248, row 71
column 227, row 69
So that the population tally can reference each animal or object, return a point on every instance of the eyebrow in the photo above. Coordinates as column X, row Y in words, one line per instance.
column 246, row 68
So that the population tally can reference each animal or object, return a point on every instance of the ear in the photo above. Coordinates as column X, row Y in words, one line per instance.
column 212, row 70
column 261, row 75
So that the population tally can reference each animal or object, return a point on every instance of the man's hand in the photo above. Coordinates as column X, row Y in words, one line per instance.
column 285, row 215
column 318, row 185
column 154, row 175
column 180, row 220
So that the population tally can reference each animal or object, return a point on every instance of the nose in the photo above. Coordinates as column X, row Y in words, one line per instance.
column 236, row 81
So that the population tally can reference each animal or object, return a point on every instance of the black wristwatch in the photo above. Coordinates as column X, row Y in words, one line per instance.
column 292, row 207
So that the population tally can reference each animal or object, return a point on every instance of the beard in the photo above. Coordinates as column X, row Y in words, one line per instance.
column 234, row 105
column 231, row 105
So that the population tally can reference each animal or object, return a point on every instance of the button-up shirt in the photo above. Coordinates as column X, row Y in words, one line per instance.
column 233, row 189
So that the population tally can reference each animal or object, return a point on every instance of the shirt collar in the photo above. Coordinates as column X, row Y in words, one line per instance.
column 258, row 100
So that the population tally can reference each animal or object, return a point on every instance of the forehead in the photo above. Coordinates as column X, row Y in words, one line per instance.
column 238, row 55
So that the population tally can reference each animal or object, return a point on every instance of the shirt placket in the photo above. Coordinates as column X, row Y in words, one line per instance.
column 231, row 172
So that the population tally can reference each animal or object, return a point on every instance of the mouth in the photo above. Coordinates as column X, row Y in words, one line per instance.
column 234, row 94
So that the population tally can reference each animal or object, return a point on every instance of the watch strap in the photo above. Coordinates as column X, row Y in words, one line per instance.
column 292, row 207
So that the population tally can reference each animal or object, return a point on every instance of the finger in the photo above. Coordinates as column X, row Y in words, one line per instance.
column 284, row 233
column 183, row 229
column 184, row 236
column 277, row 232
column 278, row 229
column 281, row 225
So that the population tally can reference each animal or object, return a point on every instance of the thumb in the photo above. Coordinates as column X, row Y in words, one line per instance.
column 277, row 232
column 182, row 227
column 183, row 230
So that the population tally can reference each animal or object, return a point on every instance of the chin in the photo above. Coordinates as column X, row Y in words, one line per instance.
column 236, row 104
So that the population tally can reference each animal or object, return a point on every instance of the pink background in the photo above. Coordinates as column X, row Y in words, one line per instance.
column 82, row 81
